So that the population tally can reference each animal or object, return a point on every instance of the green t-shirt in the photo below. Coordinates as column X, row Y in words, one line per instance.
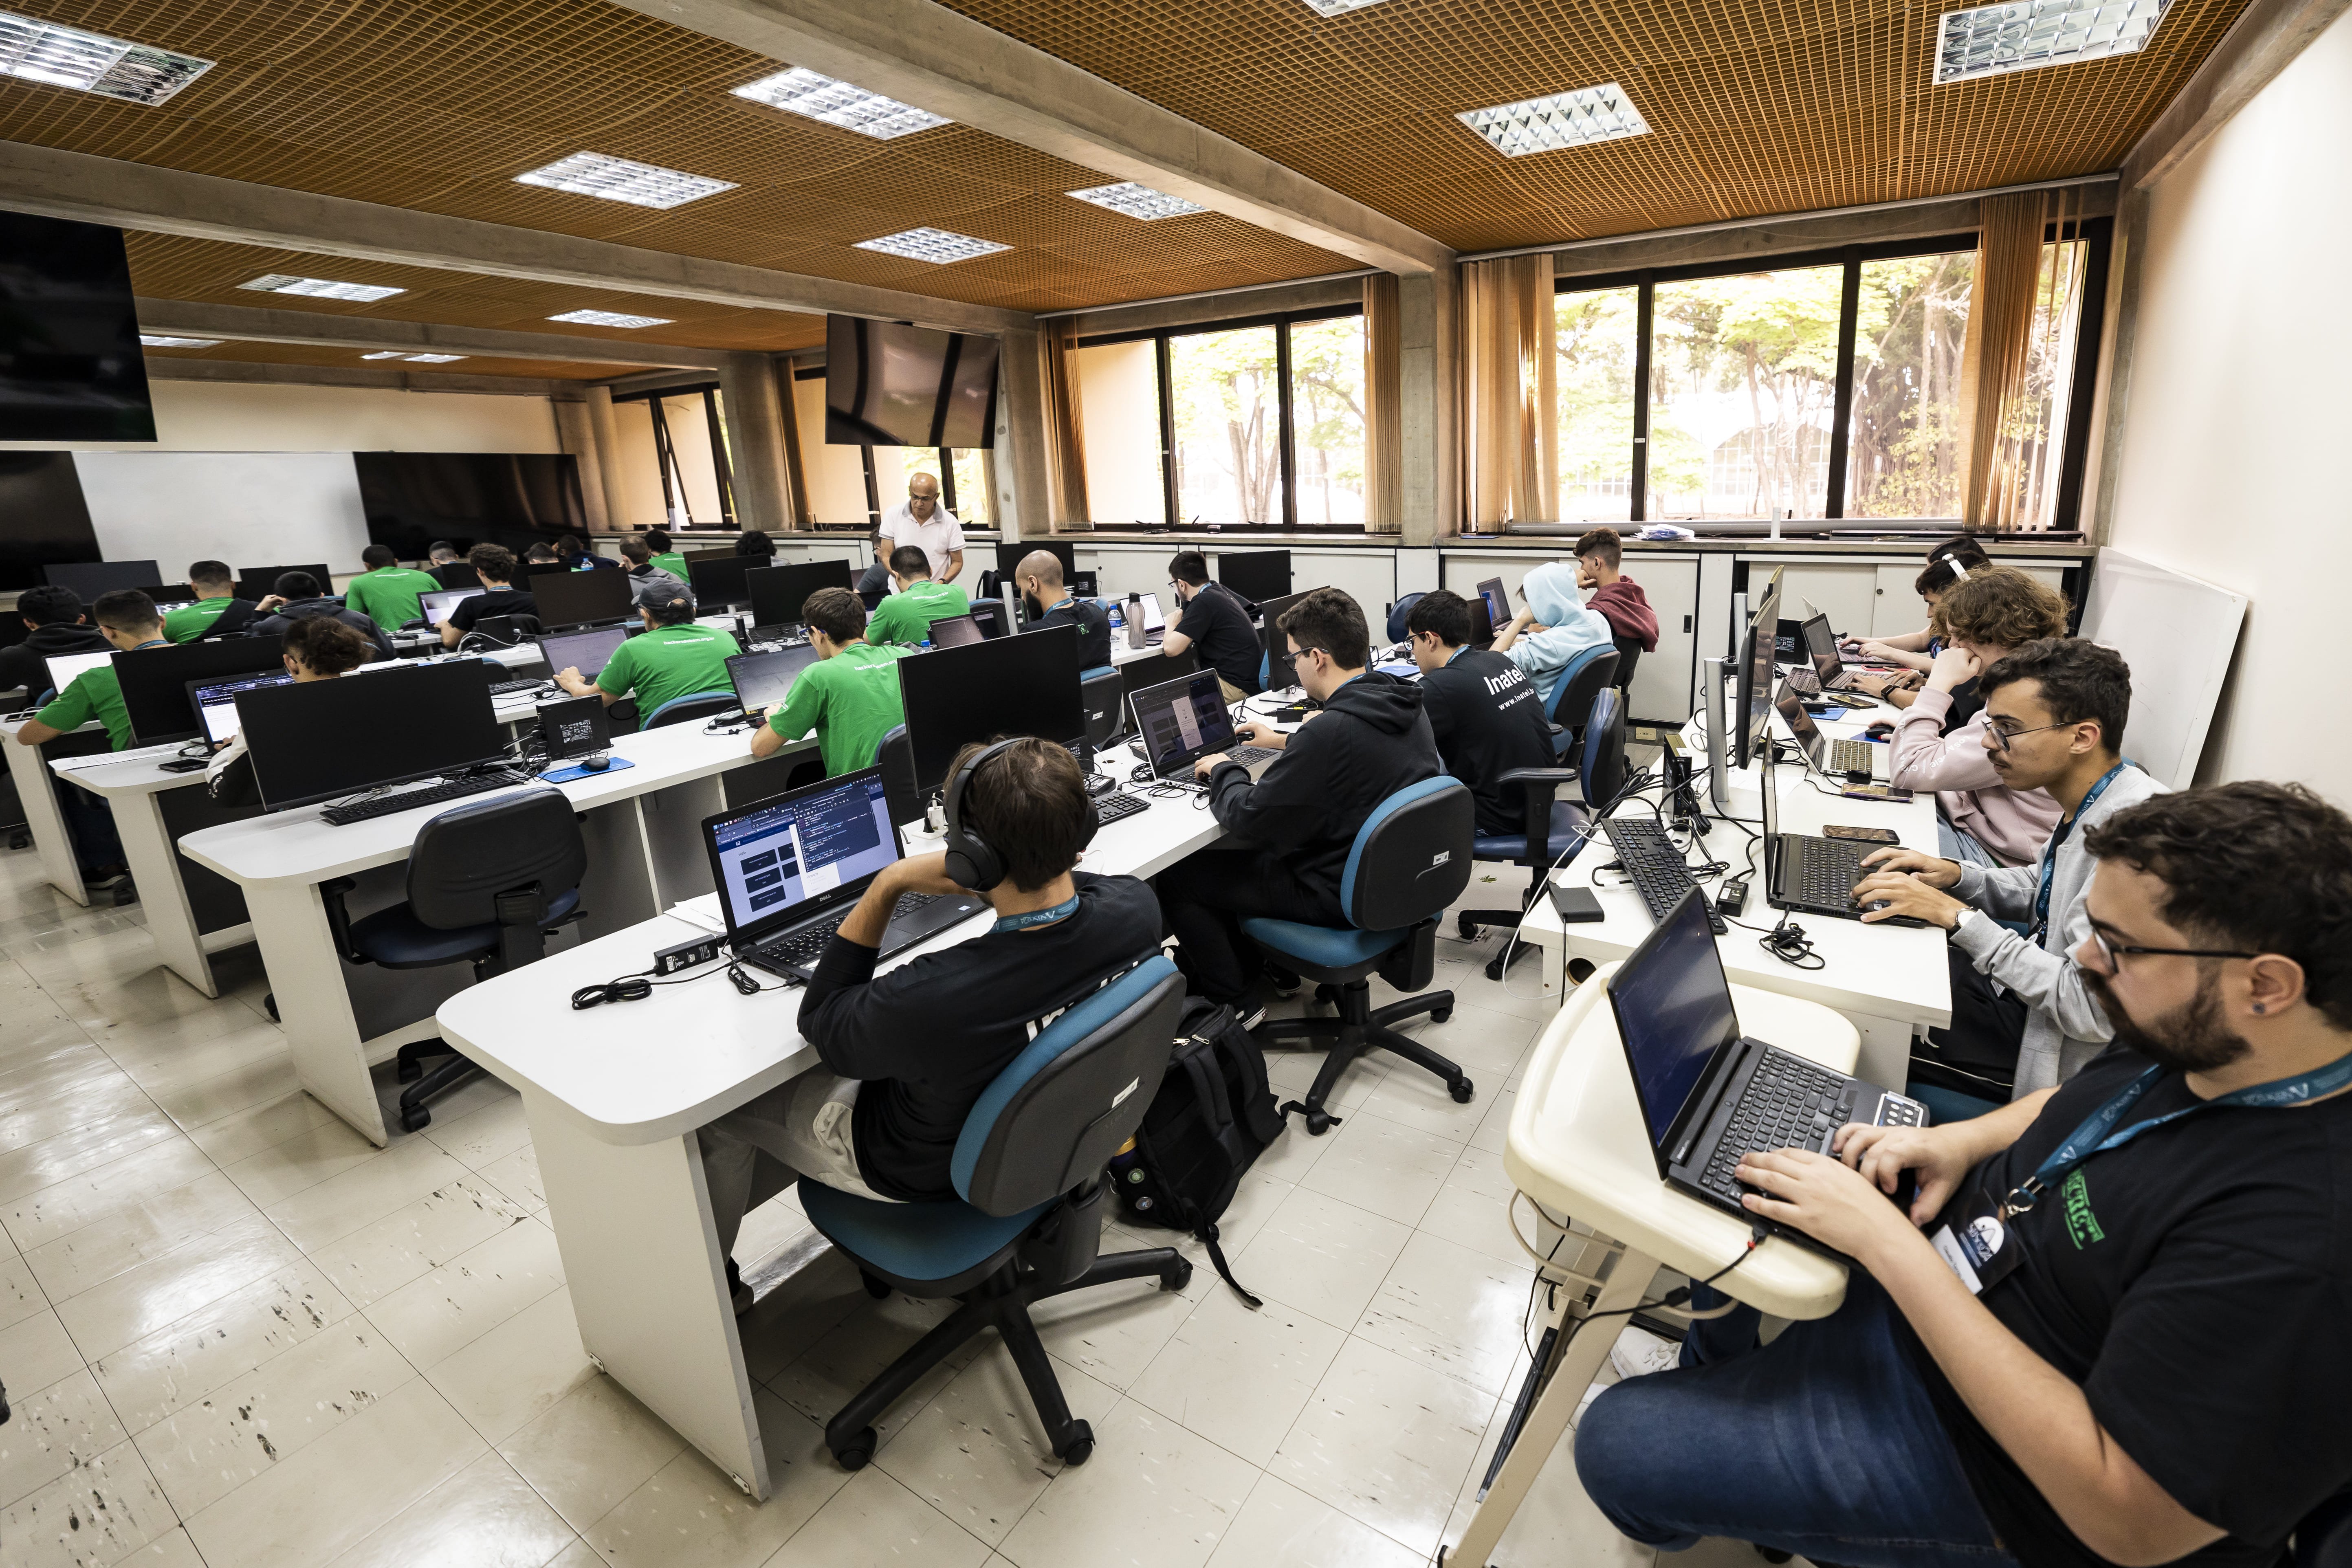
column 93, row 694
column 851, row 701
column 907, row 617
column 671, row 562
column 669, row 662
column 387, row 595
column 190, row 622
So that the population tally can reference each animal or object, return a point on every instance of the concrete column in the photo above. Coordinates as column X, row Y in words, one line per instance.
column 605, row 441
column 577, row 435
column 1022, row 487
column 1427, row 367
column 755, row 442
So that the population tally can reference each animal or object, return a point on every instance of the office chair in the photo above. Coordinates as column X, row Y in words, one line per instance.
column 1584, row 677
column 1104, row 697
column 1029, row 1167
column 1399, row 613
column 1552, row 826
column 1629, row 654
column 488, row 884
column 895, row 755
column 1410, row 860
column 693, row 707
column 2324, row 1538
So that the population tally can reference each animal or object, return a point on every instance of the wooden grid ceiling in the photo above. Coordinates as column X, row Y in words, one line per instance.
column 236, row 352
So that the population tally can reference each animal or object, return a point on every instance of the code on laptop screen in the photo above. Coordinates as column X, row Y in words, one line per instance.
column 776, row 860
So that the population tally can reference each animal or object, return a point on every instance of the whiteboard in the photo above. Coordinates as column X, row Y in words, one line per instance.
column 248, row 509
column 2178, row 633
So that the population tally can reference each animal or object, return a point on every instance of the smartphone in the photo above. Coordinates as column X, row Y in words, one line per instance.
column 183, row 764
column 1576, row 904
column 1877, row 792
column 1865, row 834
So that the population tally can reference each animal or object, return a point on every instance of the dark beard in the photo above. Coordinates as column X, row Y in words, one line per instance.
column 2190, row 1038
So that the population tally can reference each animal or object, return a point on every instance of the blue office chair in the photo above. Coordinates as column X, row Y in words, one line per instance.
column 1590, row 672
column 1410, row 860
column 693, row 707
column 1029, row 1167
column 1553, row 826
column 1399, row 613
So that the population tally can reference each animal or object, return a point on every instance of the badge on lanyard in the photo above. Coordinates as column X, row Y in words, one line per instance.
column 1978, row 1243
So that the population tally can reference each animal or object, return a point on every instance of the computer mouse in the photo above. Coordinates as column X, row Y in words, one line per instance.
column 597, row 763
column 1879, row 729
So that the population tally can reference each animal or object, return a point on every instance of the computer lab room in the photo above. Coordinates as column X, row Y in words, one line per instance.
column 1274, row 784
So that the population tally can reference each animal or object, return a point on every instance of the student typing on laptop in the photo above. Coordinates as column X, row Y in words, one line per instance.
column 907, row 1053
column 849, row 697
column 2110, row 1327
column 673, row 656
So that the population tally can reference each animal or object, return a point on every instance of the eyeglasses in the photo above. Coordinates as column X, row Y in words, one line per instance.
column 2110, row 951
column 2002, row 738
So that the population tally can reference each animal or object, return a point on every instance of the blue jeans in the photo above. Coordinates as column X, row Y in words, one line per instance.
column 1953, row 844
column 1823, row 1443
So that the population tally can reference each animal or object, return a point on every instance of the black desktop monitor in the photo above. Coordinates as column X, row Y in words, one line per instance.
column 168, row 593
column 1005, row 686
column 1495, row 601
column 1752, row 711
column 258, row 582
column 455, row 574
column 91, row 578
column 1257, row 575
column 716, row 577
column 1142, row 674
column 580, row 598
column 1009, row 557
column 1275, row 640
column 154, row 681
column 324, row 739
column 777, row 593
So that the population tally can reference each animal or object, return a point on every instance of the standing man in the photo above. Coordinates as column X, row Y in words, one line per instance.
column 1050, row 603
column 921, row 520
column 906, row 617
column 849, row 696
column 386, row 593
column 1212, row 615
column 1485, row 714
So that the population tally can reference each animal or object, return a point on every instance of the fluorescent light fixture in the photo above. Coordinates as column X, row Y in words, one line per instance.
column 1139, row 201
column 1588, row 114
column 385, row 353
column 156, row 340
column 412, row 359
column 1338, row 8
column 938, row 246
column 803, row 92
column 92, row 62
column 319, row 288
column 620, row 180
column 609, row 318
column 1992, row 39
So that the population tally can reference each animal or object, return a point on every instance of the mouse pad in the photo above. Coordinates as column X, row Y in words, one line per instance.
column 565, row 776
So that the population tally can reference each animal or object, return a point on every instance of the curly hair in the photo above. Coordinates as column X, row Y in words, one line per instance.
column 2001, row 606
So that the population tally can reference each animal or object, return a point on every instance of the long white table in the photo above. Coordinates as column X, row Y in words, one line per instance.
column 36, row 792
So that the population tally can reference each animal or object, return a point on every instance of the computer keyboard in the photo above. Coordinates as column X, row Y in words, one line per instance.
column 1853, row 756
column 1656, row 864
column 1789, row 1103
column 509, row 688
column 1111, row 808
column 432, row 794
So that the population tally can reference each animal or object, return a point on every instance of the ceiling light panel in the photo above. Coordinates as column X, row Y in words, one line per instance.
column 1139, row 201
column 802, row 91
column 938, row 246
column 1337, row 8
column 609, row 318
column 433, row 359
column 620, row 180
column 319, row 288
column 92, row 62
column 1575, row 119
column 157, row 341
column 384, row 353
column 1990, row 40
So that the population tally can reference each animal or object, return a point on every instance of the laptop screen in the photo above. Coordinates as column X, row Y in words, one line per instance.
column 1770, row 790
column 955, row 631
column 436, row 606
column 1182, row 720
column 587, row 652
column 797, row 852
column 215, row 702
column 1498, row 605
column 1820, row 643
column 65, row 666
column 765, row 680
column 1800, row 723
column 1673, row 1013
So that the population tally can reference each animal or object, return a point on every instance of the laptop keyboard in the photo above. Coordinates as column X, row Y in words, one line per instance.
column 1821, row 871
column 801, row 949
column 1853, row 756
column 509, row 688
column 1789, row 1103
column 1250, row 756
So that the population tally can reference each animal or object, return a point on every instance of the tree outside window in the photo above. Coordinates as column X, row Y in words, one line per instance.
column 1905, row 444
column 1327, row 419
column 1594, row 333
column 1226, row 393
column 1743, row 388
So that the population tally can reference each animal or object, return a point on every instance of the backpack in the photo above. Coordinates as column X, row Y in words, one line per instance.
column 1213, row 1116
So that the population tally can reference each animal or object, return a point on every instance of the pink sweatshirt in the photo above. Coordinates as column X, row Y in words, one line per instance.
column 2013, row 823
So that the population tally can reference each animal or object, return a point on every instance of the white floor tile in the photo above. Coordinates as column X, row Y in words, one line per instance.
column 417, row 1238
column 485, row 1516
column 517, row 1371
column 1452, row 1310
column 482, row 1136
column 185, row 1361
column 139, row 1300
column 365, row 1194
column 39, row 1219
column 591, row 1451
column 875, row 1523
column 1392, row 1170
column 95, row 1252
column 689, row 1513
column 1166, row 1496
column 868, row 1339
column 1321, row 1256
column 37, row 1352
column 977, row 1453
column 481, row 1288
column 241, row 1133
column 108, row 1509
column 52, row 1432
column 1281, row 1525
column 21, row 1294
column 1240, row 1376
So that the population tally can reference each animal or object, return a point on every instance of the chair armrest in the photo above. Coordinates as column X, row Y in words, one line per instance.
column 339, row 918
column 1542, row 786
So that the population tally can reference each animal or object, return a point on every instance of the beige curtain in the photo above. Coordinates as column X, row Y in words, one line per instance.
column 1994, row 390
column 1065, row 462
column 1383, row 407
column 1510, row 448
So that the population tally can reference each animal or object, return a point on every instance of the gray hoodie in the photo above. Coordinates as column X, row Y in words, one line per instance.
column 2064, row 1027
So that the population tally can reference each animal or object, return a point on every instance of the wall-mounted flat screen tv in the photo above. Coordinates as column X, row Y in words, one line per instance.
column 70, row 366
column 514, row 499
column 889, row 384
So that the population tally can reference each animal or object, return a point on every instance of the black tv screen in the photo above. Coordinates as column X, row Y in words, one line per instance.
column 889, row 385
column 43, row 521
column 514, row 499
column 70, row 365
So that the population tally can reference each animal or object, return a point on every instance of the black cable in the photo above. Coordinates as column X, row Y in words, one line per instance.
column 637, row 987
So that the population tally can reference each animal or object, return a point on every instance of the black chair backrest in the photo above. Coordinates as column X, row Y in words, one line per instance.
column 507, row 629
column 1105, row 696
column 1575, row 699
column 1602, row 763
column 1629, row 654
column 1412, row 856
column 465, row 858
column 896, row 757
column 694, row 710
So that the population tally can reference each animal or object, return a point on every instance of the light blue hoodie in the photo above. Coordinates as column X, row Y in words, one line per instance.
column 1551, row 593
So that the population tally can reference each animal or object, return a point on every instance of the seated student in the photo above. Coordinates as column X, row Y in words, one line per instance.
column 1214, row 616
column 1996, row 611
column 1483, row 712
column 495, row 565
column 673, row 658
column 572, row 551
column 541, row 553
column 2147, row 1365
column 849, row 696
column 217, row 612
column 1288, row 834
column 1049, row 604
column 1552, row 627
column 906, row 617
column 908, row 1053
column 54, row 625
column 1950, row 563
column 2054, row 713
column 1615, row 597
column 127, row 621
column 300, row 598
column 446, row 567
column 754, row 542
column 647, row 581
column 665, row 557
column 386, row 593
column 318, row 648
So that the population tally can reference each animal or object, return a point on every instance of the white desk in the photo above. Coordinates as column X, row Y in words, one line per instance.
column 189, row 912
column 613, row 1097
column 37, row 793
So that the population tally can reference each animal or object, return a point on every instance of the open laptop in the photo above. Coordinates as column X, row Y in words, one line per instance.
column 436, row 608
column 1180, row 722
column 1814, row 875
column 1147, row 606
column 765, row 680
column 1845, row 756
column 214, row 700
column 587, row 652
column 956, row 631
column 65, row 666
column 1709, row 1094
column 789, row 868
column 1820, row 646
column 1498, row 604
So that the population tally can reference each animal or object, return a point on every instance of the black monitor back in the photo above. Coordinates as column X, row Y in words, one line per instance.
column 324, row 738
column 455, row 574
column 1142, row 674
column 258, row 582
column 91, row 578
column 1275, row 639
column 1026, row 685
column 579, row 598
column 779, row 591
column 716, row 577
column 1009, row 556
column 1257, row 575
column 154, row 681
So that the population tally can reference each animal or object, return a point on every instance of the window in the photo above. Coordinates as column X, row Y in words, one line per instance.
column 1119, row 423
column 1227, row 393
column 1596, row 331
column 963, row 473
column 1906, row 445
column 1326, row 412
column 687, row 428
column 1743, row 386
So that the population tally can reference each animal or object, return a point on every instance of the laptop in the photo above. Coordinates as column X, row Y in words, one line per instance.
column 587, row 652
column 436, row 608
column 1709, row 1094
column 65, row 666
column 1828, row 672
column 789, row 868
column 1843, row 756
column 214, row 700
column 1180, row 722
column 1147, row 605
column 1496, row 602
column 1803, row 872
column 765, row 680
column 955, row 631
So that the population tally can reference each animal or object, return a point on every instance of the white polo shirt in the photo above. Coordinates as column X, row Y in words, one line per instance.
column 938, row 539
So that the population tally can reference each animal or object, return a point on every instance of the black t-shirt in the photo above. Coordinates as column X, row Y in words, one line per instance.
column 1489, row 718
column 492, row 602
column 1094, row 628
column 1220, row 630
column 2197, row 1283
column 929, row 1037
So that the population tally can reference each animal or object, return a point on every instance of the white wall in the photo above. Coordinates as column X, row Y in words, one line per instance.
column 241, row 417
column 2231, row 462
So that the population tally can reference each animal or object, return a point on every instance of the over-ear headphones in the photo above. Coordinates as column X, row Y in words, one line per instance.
column 971, row 861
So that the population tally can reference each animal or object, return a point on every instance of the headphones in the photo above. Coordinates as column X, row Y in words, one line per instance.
column 971, row 861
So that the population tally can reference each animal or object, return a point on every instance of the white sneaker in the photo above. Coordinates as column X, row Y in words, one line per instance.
column 1638, row 1353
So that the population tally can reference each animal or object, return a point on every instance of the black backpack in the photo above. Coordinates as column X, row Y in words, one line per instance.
column 1212, row 1115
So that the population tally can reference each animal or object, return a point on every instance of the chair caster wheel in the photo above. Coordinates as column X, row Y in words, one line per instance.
column 1439, row 1014
column 1467, row 927
column 415, row 1119
column 1771, row 1554
column 1174, row 1281
column 1080, row 1445
column 857, row 1452
column 1317, row 1123
column 1494, row 968
column 270, row 1005
column 408, row 1070
column 873, row 1288
column 1462, row 1090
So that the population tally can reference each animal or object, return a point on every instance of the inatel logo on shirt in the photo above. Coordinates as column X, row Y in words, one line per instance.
column 2082, row 1225
column 1498, row 684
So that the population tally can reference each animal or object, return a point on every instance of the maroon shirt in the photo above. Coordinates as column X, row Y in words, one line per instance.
column 1627, row 610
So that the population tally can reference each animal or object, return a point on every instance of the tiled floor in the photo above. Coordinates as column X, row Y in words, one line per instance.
column 237, row 1335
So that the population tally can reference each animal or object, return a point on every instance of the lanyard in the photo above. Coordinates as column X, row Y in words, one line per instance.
column 1038, row 917
column 2057, row 836
column 2096, row 1135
